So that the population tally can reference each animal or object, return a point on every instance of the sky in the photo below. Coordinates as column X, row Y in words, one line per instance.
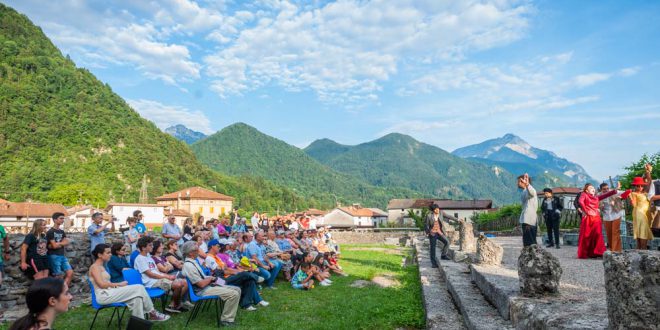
column 579, row 78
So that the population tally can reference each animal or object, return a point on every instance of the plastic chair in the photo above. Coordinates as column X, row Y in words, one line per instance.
column 132, row 276
column 131, row 261
column 200, row 301
column 98, row 307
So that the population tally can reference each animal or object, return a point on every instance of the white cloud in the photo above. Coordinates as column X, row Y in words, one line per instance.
column 165, row 116
column 589, row 79
column 344, row 51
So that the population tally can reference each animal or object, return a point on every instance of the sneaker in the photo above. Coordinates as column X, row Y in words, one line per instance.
column 260, row 279
column 557, row 247
column 328, row 280
column 272, row 287
column 173, row 309
column 187, row 305
column 344, row 274
column 250, row 308
column 157, row 316
column 227, row 324
column 264, row 303
column 324, row 283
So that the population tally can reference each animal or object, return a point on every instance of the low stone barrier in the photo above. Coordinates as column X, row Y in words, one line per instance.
column 372, row 237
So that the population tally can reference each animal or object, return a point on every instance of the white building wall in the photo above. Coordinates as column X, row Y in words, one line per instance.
column 153, row 215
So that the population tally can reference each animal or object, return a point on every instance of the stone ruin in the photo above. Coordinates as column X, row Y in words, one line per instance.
column 488, row 252
column 632, row 282
column 539, row 272
column 467, row 242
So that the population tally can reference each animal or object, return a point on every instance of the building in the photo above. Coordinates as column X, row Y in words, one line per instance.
column 80, row 217
column 198, row 201
column 354, row 217
column 179, row 215
column 19, row 216
column 566, row 194
column 153, row 213
column 397, row 209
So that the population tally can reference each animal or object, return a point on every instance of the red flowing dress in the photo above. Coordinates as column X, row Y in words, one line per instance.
column 590, row 240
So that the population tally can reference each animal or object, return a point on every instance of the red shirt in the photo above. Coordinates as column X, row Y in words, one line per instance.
column 589, row 203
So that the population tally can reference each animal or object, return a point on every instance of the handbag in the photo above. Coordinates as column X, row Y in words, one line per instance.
column 136, row 323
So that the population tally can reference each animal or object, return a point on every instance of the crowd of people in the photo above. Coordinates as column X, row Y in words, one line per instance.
column 232, row 261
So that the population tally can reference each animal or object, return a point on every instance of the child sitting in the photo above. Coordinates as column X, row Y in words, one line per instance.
column 333, row 265
column 302, row 279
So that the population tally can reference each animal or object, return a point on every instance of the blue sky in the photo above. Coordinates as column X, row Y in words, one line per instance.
column 580, row 78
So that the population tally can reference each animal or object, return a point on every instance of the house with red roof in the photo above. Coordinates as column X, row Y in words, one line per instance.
column 198, row 201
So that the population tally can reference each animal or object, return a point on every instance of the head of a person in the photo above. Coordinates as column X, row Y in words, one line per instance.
column 102, row 252
column 318, row 260
column 157, row 247
column 307, row 257
column 117, row 249
column 201, row 219
column 209, row 224
column 132, row 221
column 43, row 297
column 190, row 249
column 271, row 235
column 305, row 266
column 58, row 218
column 172, row 246
column 138, row 215
column 38, row 227
column 97, row 218
column 187, row 222
column 260, row 237
column 589, row 189
column 214, row 246
column 604, row 187
column 638, row 184
column 435, row 209
column 171, row 219
column 521, row 181
column 226, row 245
column 145, row 244
column 197, row 238
column 547, row 192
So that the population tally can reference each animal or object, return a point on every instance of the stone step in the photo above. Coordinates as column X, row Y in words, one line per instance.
column 441, row 313
column 496, row 285
column 477, row 312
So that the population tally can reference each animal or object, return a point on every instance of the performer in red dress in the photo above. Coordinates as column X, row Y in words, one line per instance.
column 590, row 240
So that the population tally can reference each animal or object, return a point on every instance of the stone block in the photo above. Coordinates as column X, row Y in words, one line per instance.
column 632, row 282
column 488, row 252
column 570, row 239
column 539, row 272
column 467, row 242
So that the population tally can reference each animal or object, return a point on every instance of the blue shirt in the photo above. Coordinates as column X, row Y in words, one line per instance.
column 115, row 267
column 173, row 229
column 96, row 239
column 284, row 244
column 254, row 249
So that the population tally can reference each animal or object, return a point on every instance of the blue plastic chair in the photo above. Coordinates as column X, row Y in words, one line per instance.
column 131, row 261
column 200, row 301
column 98, row 307
column 132, row 276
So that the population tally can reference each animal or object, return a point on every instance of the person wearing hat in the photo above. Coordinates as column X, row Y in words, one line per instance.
column 551, row 208
column 206, row 285
column 435, row 232
column 590, row 238
column 641, row 204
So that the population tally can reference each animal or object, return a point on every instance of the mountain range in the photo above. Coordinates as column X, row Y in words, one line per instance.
column 184, row 134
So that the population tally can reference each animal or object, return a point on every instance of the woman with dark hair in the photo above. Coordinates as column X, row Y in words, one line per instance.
column 187, row 230
column 321, row 272
column 163, row 265
column 118, row 262
column 45, row 299
column 34, row 252
column 134, row 296
column 590, row 239
column 173, row 256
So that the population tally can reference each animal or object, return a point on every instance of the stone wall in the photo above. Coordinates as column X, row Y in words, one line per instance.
column 15, row 284
column 369, row 237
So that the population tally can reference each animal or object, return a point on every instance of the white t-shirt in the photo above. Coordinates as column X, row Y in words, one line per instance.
column 294, row 225
column 143, row 264
column 211, row 263
column 204, row 247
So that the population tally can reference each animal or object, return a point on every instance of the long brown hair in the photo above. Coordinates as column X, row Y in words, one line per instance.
column 586, row 186
column 36, row 226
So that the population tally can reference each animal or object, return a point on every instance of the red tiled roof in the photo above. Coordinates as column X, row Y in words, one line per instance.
column 565, row 190
column 361, row 212
column 4, row 201
column 449, row 204
column 33, row 210
column 400, row 204
column 194, row 193
column 178, row 213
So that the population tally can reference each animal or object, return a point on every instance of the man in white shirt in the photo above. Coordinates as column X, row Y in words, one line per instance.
column 152, row 278
column 612, row 211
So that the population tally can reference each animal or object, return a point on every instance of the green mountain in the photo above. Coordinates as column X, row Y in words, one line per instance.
column 240, row 149
column 66, row 137
column 398, row 160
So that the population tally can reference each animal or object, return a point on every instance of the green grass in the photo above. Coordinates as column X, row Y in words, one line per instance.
column 335, row 307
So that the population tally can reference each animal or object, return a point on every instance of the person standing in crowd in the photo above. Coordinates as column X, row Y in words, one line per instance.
column 239, row 226
column 654, row 197
column 612, row 211
column 131, row 236
column 206, row 285
column 107, row 292
column 45, row 299
column 590, row 239
column 96, row 231
column 188, row 231
column 234, row 216
column 641, row 224
column 201, row 222
column 254, row 222
column 435, row 232
column 57, row 240
column 530, row 204
column 551, row 208
column 152, row 278
column 172, row 231
column 4, row 252
column 34, row 252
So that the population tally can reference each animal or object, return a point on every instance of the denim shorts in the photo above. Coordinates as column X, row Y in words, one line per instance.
column 59, row 264
column 298, row 286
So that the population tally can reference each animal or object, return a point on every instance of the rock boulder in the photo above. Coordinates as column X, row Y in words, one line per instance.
column 632, row 282
column 488, row 252
column 539, row 272
column 467, row 242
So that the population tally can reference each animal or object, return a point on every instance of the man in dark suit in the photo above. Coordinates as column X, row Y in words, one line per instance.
column 433, row 228
column 551, row 208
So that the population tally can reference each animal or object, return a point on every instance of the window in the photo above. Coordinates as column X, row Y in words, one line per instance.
column 222, row 210
column 201, row 209
column 211, row 209
column 456, row 215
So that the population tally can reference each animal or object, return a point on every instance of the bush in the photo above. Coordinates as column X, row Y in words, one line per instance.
column 505, row 211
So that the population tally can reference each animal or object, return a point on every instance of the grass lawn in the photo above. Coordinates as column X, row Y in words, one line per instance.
column 335, row 307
